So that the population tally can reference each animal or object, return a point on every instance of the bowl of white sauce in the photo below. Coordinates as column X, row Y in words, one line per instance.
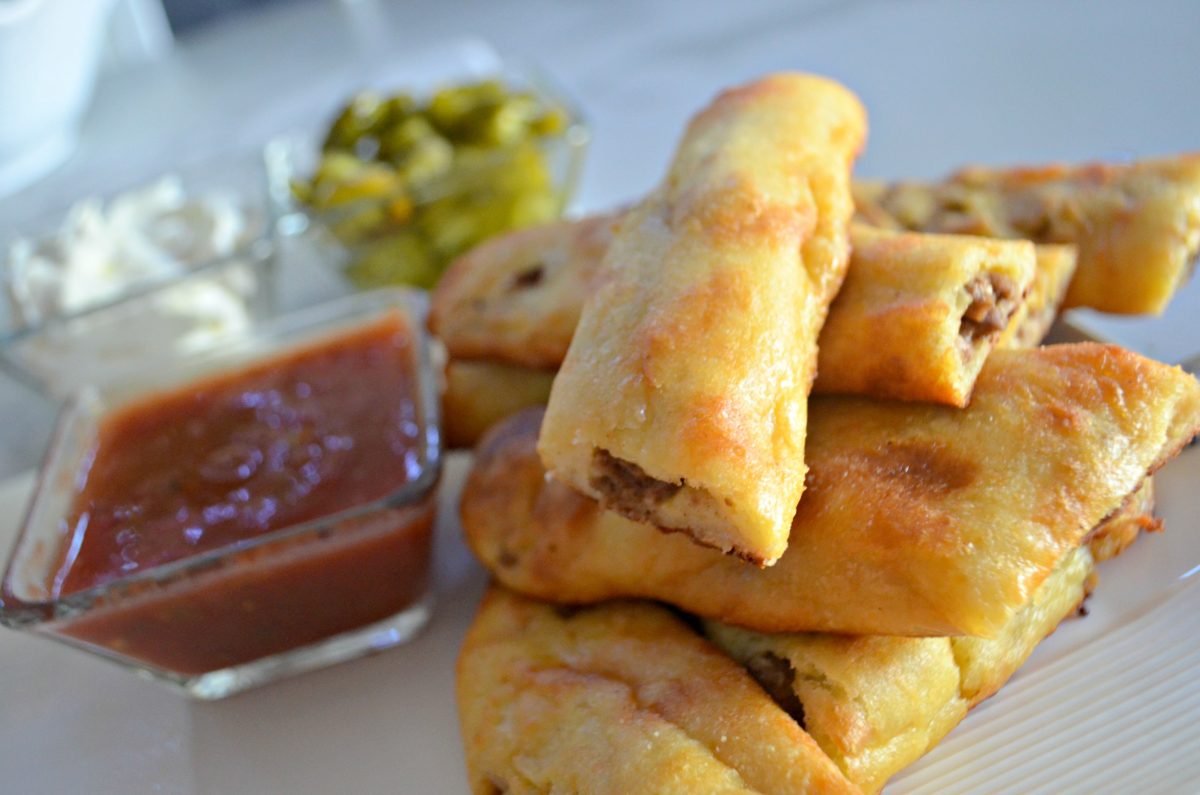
column 132, row 282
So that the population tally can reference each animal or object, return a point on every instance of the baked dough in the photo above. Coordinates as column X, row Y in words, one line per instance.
column 625, row 699
column 875, row 704
column 682, row 400
column 919, row 314
column 1137, row 225
column 918, row 519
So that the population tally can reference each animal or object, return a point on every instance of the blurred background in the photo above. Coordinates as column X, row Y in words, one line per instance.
column 100, row 96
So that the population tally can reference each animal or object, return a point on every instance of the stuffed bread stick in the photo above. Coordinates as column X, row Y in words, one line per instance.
column 875, row 704
column 919, row 314
column 623, row 698
column 1137, row 225
column 918, row 520
column 682, row 400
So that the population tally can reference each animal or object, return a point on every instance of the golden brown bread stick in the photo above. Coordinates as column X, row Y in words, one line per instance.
column 682, row 399
column 623, row 698
column 918, row 520
column 1137, row 225
column 919, row 314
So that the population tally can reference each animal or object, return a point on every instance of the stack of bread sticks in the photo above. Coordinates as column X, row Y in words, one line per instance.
column 772, row 473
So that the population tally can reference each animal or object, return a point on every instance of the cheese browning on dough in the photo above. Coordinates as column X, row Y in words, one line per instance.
column 695, row 351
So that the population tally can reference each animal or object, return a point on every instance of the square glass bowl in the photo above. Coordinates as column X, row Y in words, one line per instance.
column 382, row 229
column 59, row 334
column 333, row 586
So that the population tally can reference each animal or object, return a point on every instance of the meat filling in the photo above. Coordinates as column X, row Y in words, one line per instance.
column 626, row 488
column 993, row 300
column 530, row 277
column 777, row 676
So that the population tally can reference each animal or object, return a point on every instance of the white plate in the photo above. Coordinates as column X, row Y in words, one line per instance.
column 70, row 723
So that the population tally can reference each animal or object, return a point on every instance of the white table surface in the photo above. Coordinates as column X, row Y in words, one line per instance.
column 945, row 82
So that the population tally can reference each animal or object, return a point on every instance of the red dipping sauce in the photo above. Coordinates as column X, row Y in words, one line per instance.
column 316, row 432
column 221, row 464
